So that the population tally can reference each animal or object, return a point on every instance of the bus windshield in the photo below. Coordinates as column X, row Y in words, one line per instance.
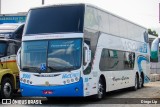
column 3, row 46
column 55, row 19
column 52, row 55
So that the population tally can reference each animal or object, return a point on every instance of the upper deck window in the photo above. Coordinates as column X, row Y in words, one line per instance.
column 55, row 19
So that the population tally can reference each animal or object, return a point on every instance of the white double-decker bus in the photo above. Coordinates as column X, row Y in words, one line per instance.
column 81, row 50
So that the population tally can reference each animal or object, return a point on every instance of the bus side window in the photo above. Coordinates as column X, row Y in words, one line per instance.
column 114, row 60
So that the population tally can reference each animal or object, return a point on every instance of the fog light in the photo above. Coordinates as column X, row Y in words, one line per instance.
column 76, row 89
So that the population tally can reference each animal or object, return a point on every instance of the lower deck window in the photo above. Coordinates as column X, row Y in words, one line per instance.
column 114, row 60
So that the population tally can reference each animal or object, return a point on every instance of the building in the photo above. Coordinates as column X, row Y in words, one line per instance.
column 13, row 18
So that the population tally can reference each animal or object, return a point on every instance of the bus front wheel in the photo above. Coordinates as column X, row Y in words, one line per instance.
column 101, row 90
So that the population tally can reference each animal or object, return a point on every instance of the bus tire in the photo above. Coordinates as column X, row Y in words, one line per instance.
column 135, row 87
column 140, row 85
column 142, row 80
column 101, row 90
column 6, row 88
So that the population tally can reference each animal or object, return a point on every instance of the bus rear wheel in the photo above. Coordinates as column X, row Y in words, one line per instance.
column 135, row 87
column 6, row 88
column 141, row 82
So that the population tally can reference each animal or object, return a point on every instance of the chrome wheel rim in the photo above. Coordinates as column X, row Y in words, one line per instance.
column 140, row 82
column 7, row 89
column 136, row 82
column 100, row 90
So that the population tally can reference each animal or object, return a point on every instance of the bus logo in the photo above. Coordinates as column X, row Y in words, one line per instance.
column 27, row 76
column 70, row 75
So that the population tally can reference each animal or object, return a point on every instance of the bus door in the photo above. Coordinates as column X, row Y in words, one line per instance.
column 89, row 76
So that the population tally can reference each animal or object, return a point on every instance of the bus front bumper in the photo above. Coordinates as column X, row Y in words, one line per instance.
column 69, row 90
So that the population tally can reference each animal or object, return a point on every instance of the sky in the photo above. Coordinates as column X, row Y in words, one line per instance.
column 142, row 12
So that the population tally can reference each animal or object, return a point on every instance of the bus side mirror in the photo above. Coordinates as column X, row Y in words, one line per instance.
column 146, row 37
column 87, row 56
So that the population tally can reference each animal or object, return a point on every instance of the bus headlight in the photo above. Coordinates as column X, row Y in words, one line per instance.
column 72, row 80
column 21, row 79
column 76, row 78
column 68, row 81
column 76, row 89
column 64, row 82
column 24, row 80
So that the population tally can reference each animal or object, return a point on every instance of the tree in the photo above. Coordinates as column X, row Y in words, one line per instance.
column 154, row 33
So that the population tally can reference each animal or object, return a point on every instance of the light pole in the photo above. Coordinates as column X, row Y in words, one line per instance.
column 42, row 2
column 0, row 6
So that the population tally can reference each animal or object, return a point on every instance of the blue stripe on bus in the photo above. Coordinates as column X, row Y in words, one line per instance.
column 140, row 58
column 63, row 90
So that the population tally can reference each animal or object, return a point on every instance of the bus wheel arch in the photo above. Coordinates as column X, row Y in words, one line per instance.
column 7, row 86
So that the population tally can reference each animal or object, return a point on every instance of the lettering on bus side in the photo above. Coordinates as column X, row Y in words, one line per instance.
column 27, row 76
column 122, row 78
column 70, row 75
column 134, row 46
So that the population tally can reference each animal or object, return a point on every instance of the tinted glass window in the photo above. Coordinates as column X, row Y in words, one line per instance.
column 112, row 60
column 34, row 54
column 64, row 54
column 55, row 19
column 51, row 56
column 3, row 46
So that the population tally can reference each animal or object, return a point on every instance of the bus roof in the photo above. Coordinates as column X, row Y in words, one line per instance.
column 9, row 27
column 90, row 5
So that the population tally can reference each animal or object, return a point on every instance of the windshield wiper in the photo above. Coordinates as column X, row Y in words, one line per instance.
column 65, row 68
column 69, row 68
column 53, row 68
column 35, row 69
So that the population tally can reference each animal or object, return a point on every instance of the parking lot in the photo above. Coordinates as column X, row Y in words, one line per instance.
column 148, row 95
